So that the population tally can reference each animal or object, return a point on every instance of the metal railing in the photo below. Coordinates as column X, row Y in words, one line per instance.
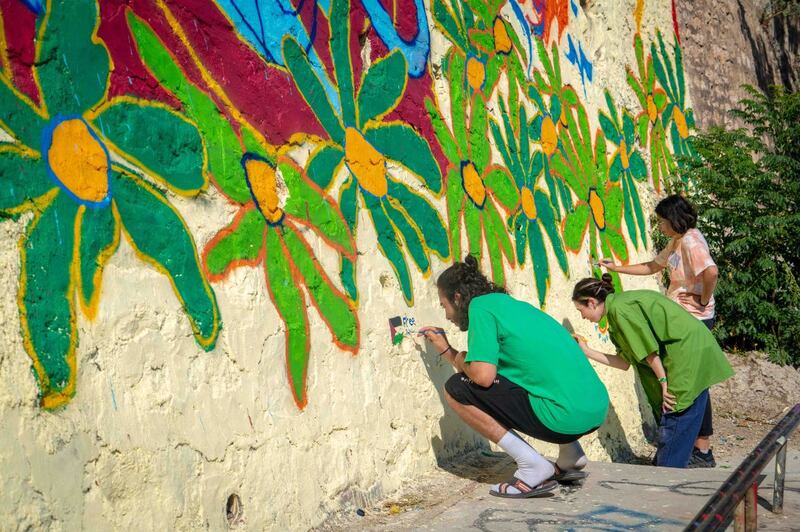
column 737, row 498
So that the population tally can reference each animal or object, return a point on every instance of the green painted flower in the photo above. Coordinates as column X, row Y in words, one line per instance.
column 677, row 117
column 626, row 167
column 649, row 125
column 473, row 183
column 600, row 200
column 59, row 167
column 543, row 129
column 269, row 229
column 268, row 232
column 486, row 40
column 534, row 216
column 364, row 143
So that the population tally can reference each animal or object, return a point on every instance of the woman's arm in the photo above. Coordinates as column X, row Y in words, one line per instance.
column 615, row 361
column 644, row 268
column 701, row 301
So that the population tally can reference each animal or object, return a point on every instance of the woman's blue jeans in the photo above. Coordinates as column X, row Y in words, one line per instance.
column 678, row 431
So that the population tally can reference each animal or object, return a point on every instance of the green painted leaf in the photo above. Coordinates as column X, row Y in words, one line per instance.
column 47, row 314
column 473, row 221
column 168, row 146
column 541, row 265
column 547, row 220
column 609, row 128
column 348, row 203
column 520, row 226
column 99, row 237
column 390, row 246
column 399, row 142
column 18, row 118
column 72, row 67
column 495, row 253
column 496, row 230
column 241, row 241
column 617, row 243
column 575, row 227
column 22, row 179
column 502, row 185
column 334, row 307
column 478, row 139
column 307, row 202
column 339, row 22
column 310, row 86
column 448, row 25
column 613, row 204
column 423, row 215
column 455, row 204
column 291, row 305
column 409, row 233
column 458, row 102
column 442, row 133
column 382, row 87
column 323, row 164
column 224, row 149
column 638, row 168
column 161, row 238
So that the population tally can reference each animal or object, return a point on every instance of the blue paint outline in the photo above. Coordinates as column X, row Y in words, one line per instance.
column 34, row 6
column 527, row 29
column 250, row 156
column 416, row 50
column 47, row 141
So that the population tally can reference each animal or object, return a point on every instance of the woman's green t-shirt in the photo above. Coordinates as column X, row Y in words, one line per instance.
column 534, row 351
column 641, row 322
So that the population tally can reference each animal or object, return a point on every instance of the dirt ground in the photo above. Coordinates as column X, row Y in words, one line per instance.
column 746, row 407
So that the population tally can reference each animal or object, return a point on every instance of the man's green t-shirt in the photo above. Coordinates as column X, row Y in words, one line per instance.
column 534, row 351
column 641, row 322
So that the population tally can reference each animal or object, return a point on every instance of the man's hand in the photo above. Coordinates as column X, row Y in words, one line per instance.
column 436, row 337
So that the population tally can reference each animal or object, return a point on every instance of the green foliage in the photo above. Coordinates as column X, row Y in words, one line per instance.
column 747, row 190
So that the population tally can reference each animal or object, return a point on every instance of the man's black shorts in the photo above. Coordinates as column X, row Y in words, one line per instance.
column 508, row 404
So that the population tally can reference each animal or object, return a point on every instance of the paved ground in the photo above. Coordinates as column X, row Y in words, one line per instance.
column 614, row 497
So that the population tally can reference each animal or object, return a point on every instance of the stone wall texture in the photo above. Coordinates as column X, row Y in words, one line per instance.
column 211, row 209
column 731, row 43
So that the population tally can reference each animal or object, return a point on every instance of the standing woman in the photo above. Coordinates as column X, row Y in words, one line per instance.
column 692, row 280
column 675, row 355
column 521, row 371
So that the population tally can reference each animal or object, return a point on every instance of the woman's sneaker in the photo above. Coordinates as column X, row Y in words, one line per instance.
column 701, row 459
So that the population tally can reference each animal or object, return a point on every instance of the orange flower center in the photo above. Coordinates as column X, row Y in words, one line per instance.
column 652, row 111
column 598, row 209
column 476, row 73
column 502, row 42
column 262, row 179
column 549, row 137
column 366, row 163
column 623, row 154
column 680, row 122
column 528, row 203
column 79, row 161
column 473, row 184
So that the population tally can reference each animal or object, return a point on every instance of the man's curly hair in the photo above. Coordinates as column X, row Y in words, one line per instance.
column 466, row 280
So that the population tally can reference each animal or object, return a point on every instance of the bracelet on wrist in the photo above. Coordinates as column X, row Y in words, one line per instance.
column 662, row 380
column 449, row 347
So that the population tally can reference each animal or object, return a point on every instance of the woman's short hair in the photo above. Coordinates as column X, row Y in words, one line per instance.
column 465, row 279
column 680, row 214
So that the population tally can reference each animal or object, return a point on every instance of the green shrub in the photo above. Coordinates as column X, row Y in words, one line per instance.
column 746, row 187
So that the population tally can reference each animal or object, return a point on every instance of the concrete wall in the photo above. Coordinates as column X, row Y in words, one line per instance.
column 207, row 225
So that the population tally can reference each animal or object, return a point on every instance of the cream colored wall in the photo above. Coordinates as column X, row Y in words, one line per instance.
column 160, row 432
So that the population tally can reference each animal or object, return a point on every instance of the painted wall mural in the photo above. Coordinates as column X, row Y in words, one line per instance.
column 312, row 119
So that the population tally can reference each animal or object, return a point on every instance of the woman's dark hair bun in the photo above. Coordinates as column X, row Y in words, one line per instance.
column 472, row 262
column 607, row 279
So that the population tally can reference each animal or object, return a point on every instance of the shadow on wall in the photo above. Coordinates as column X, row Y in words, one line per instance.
column 456, row 438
